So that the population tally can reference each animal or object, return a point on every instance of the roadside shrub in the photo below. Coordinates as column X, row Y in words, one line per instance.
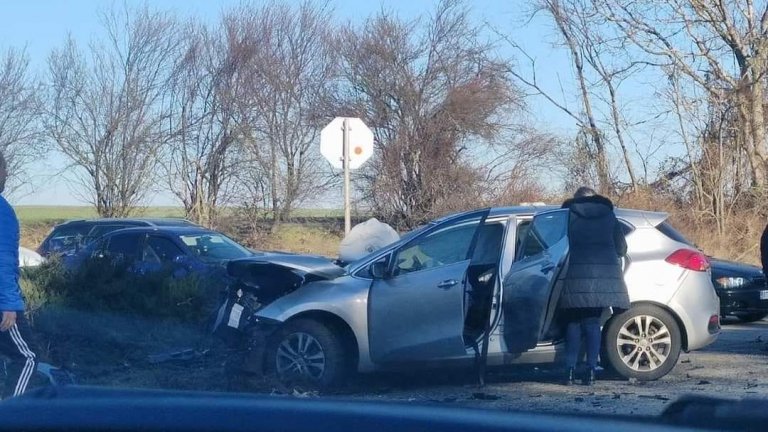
column 41, row 285
column 100, row 286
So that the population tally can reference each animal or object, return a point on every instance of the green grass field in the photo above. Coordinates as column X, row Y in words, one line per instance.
column 32, row 214
column 54, row 214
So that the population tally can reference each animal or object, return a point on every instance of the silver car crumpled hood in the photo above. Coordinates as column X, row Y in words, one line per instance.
column 305, row 265
column 277, row 273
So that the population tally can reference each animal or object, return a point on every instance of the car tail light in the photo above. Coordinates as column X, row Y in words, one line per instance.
column 689, row 259
column 714, row 324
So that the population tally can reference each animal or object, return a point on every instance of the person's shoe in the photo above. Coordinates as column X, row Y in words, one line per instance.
column 589, row 377
column 569, row 376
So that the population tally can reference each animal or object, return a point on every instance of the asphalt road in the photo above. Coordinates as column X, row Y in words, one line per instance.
column 735, row 366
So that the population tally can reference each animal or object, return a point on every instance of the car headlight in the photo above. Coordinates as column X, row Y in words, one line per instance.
column 731, row 282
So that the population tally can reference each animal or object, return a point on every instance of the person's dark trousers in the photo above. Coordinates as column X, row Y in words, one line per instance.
column 586, row 322
column 18, row 345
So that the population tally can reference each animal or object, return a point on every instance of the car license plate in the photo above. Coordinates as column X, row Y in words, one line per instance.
column 764, row 295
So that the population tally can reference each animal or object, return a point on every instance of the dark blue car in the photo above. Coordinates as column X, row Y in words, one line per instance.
column 69, row 237
column 149, row 249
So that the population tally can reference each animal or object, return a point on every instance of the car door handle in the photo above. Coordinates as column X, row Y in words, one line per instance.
column 546, row 268
column 446, row 284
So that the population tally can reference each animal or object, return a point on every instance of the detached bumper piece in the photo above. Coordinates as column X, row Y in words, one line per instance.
column 258, row 339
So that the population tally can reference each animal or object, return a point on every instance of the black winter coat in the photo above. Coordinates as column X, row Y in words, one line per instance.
column 594, row 277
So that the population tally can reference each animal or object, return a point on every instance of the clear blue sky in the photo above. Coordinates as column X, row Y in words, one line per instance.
column 41, row 25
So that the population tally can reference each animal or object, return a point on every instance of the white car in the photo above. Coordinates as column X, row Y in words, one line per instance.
column 29, row 258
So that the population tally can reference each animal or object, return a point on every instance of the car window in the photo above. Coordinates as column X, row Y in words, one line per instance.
column 668, row 230
column 544, row 231
column 214, row 247
column 69, row 230
column 441, row 247
column 66, row 237
column 626, row 228
column 171, row 222
column 124, row 246
column 100, row 230
column 161, row 250
column 489, row 240
column 522, row 233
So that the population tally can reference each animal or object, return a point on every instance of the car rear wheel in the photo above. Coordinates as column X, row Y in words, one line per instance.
column 642, row 343
column 308, row 354
column 748, row 318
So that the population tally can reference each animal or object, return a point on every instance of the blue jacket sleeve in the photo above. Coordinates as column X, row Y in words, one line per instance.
column 10, row 293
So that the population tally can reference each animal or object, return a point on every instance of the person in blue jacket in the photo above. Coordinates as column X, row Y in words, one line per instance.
column 15, row 334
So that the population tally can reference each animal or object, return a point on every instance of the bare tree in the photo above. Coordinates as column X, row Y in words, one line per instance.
column 106, row 110
column 601, row 63
column 566, row 25
column 601, row 53
column 438, row 102
column 721, row 46
column 21, row 140
column 286, row 78
column 204, row 153
column 712, row 173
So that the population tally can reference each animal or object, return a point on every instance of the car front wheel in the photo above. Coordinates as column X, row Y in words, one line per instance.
column 308, row 354
column 642, row 343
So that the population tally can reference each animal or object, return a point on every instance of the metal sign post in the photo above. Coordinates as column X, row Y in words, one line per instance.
column 347, row 210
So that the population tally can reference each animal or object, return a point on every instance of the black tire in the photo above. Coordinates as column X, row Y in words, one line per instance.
column 748, row 318
column 646, row 368
column 336, row 357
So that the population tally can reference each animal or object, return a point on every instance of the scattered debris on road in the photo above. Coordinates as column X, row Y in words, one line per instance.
column 181, row 355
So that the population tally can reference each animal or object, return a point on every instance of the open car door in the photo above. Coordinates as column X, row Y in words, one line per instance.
column 530, row 285
column 416, row 309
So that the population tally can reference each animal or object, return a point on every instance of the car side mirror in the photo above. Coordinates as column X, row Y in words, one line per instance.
column 379, row 270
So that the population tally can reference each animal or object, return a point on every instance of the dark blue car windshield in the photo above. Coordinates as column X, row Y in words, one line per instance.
column 214, row 247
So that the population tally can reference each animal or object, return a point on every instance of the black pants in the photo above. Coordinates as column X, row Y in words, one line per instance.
column 17, row 344
column 586, row 322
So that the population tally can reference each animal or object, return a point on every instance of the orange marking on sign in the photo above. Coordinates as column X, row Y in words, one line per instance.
column 358, row 150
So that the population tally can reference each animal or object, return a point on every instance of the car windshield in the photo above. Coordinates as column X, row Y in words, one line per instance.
column 214, row 247
column 403, row 238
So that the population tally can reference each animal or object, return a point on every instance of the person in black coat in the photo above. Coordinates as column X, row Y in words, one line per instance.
column 764, row 250
column 594, row 279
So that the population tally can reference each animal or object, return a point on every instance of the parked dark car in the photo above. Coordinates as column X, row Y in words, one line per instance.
column 69, row 237
column 148, row 249
column 741, row 288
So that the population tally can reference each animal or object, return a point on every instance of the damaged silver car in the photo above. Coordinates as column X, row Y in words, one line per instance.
column 480, row 284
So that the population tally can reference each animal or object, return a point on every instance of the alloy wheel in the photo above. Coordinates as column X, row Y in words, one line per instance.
column 300, row 355
column 644, row 343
